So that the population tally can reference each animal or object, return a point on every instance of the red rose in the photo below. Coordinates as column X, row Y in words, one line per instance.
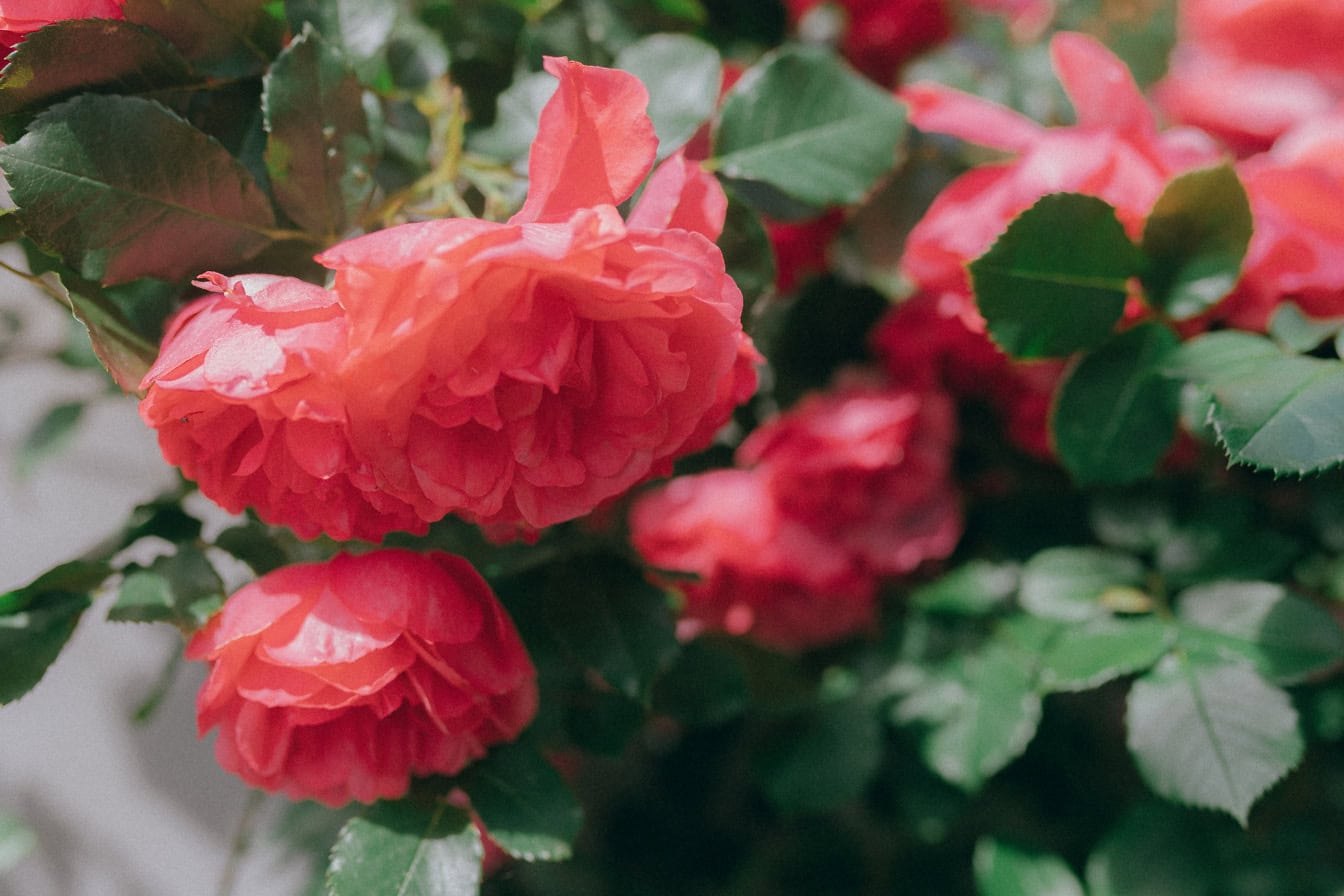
column 19, row 18
column 340, row 681
column 245, row 398
column 840, row 491
column 1114, row 152
column 1296, row 254
column 524, row 372
column 878, row 36
column 1250, row 70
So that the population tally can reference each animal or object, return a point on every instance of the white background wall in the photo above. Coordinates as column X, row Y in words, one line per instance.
column 119, row 809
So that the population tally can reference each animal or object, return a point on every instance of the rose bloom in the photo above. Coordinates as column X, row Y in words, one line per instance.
column 19, row 18
column 842, row 490
column 1296, row 254
column 342, row 680
column 1115, row 152
column 879, row 36
column 1249, row 70
column 522, row 373
column 246, row 402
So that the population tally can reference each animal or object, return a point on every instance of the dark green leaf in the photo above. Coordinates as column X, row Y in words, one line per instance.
column 1286, row 636
column 747, row 255
column 180, row 588
column 1088, row 654
column 1004, row 870
column 705, row 686
column 406, row 849
column 823, row 760
column 1269, row 410
column 361, row 29
column 682, row 75
column 612, row 621
column 973, row 589
column 37, row 620
column 123, row 188
column 119, row 343
column 1154, row 851
column 803, row 123
column 1137, row 523
column 1115, row 413
column 1056, row 281
column 225, row 38
column 252, row 544
column 81, row 54
column 981, row 710
column 16, row 841
column 1211, row 734
column 523, row 803
column 515, row 127
column 1223, row 537
column 1194, row 241
column 164, row 519
column 1070, row 583
column 49, row 436
column 318, row 153
column 603, row 722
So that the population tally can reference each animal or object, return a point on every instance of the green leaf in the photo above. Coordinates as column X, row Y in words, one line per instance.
column 802, row 123
column 78, row 55
column 1056, row 281
column 1070, row 583
column 519, row 111
column 318, row 153
column 224, row 38
column 180, row 588
column 1004, row 870
column 16, row 841
column 406, row 849
column 1154, row 851
column 747, row 255
column 682, row 74
column 824, row 759
column 1088, row 654
column 252, row 544
column 1212, row 735
column 361, row 29
column 1115, row 413
column 49, row 436
column 612, row 621
column 1301, row 334
column 1194, row 241
column 973, row 589
column 523, row 803
column 1269, row 410
column 705, row 686
column 123, row 188
column 981, row 710
column 1287, row 637
column 37, row 620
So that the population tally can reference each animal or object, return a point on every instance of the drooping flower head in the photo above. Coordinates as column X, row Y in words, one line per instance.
column 523, row 373
column 342, row 680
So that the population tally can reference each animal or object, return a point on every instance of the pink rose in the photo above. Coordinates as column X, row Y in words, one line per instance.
column 19, row 18
column 878, row 36
column 1115, row 152
column 842, row 490
column 342, row 680
column 1248, row 70
column 246, row 402
column 525, row 372
column 1296, row 254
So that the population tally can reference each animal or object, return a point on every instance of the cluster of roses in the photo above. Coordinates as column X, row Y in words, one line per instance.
column 517, row 374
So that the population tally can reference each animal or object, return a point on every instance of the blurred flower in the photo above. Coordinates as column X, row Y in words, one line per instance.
column 1296, row 191
column 800, row 247
column 342, row 680
column 1114, row 152
column 845, row 488
column 246, row 402
column 1249, row 70
column 877, row 36
column 522, row 373
column 19, row 18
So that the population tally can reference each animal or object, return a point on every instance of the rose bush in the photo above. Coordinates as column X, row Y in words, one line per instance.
column 522, row 373
column 341, row 680
column 844, row 489
column 19, row 18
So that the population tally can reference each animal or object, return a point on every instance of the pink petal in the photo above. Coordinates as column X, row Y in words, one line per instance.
column 594, row 142
column 1099, row 85
column 942, row 110
column 681, row 195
